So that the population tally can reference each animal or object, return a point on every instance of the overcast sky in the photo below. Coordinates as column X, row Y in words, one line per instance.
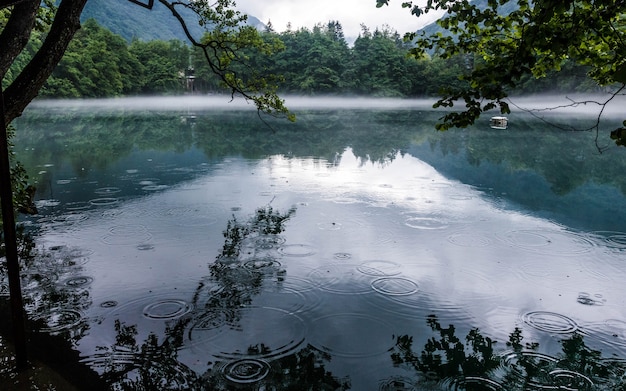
column 350, row 13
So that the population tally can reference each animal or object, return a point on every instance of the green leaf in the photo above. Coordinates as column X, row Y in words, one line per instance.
column 620, row 74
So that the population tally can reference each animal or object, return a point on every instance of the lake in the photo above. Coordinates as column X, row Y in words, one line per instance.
column 186, row 245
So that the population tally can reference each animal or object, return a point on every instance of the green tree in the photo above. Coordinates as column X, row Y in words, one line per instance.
column 97, row 63
column 162, row 63
column 380, row 64
column 221, row 48
column 506, row 41
column 314, row 61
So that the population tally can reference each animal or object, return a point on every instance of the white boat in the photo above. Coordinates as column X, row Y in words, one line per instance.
column 499, row 122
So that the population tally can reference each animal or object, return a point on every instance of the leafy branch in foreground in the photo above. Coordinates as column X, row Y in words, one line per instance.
column 224, row 48
column 504, row 41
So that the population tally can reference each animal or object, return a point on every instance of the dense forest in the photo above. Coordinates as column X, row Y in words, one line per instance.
column 100, row 63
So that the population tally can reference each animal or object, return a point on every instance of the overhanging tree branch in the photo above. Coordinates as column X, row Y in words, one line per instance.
column 539, row 37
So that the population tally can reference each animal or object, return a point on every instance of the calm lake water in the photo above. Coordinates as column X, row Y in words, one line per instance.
column 183, row 247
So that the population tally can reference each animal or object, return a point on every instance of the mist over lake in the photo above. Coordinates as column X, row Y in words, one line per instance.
column 185, row 241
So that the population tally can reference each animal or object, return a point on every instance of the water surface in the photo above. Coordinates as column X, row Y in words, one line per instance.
column 355, row 249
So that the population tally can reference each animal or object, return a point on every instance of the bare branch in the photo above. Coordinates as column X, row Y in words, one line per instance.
column 575, row 103
column 139, row 3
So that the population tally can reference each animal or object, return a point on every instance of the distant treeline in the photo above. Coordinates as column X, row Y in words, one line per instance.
column 99, row 63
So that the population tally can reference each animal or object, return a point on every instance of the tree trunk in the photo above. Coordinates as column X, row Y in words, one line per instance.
column 10, row 246
column 16, row 33
column 28, row 83
column 8, row 3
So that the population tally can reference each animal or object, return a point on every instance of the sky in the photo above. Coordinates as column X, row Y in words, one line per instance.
column 350, row 13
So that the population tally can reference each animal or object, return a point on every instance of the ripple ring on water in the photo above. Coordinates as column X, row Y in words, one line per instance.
column 394, row 286
column 467, row 239
column 107, row 190
column 341, row 278
column 484, row 383
column 250, row 332
column 104, row 201
column 4, row 289
column 127, row 234
column 126, row 240
column 78, row 205
column 425, row 223
column 296, row 250
column 129, row 229
column 550, row 322
column 570, row 380
column 549, row 242
column 586, row 299
column 613, row 239
column 246, row 371
column 76, row 282
column 60, row 319
column 380, row 268
column 329, row 226
column 154, row 187
column 47, row 203
column 145, row 247
column 397, row 383
column 538, row 359
column 71, row 217
column 269, row 240
column 167, row 309
column 262, row 264
column 211, row 320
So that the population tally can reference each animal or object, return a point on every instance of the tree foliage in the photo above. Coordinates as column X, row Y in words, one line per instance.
column 313, row 61
column 222, row 47
column 505, row 41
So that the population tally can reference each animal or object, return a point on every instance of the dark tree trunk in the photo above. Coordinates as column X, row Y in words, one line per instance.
column 27, row 85
column 16, row 33
column 8, row 3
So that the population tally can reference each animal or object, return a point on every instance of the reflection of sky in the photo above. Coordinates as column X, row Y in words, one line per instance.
column 472, row 260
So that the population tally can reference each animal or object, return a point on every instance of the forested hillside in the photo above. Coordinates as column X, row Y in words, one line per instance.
column 100, row 63
column 132, row 22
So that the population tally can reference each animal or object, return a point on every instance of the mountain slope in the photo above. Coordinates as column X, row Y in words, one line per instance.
column 434, row 28
column 132, row 21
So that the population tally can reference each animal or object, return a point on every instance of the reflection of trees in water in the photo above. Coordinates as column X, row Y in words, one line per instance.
column 126, row 365
column 450, row 362
column 218, row 300
column 98, row 140
column 95, row 140
column 566, row 160
column 55, row 293
column 154, row 366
